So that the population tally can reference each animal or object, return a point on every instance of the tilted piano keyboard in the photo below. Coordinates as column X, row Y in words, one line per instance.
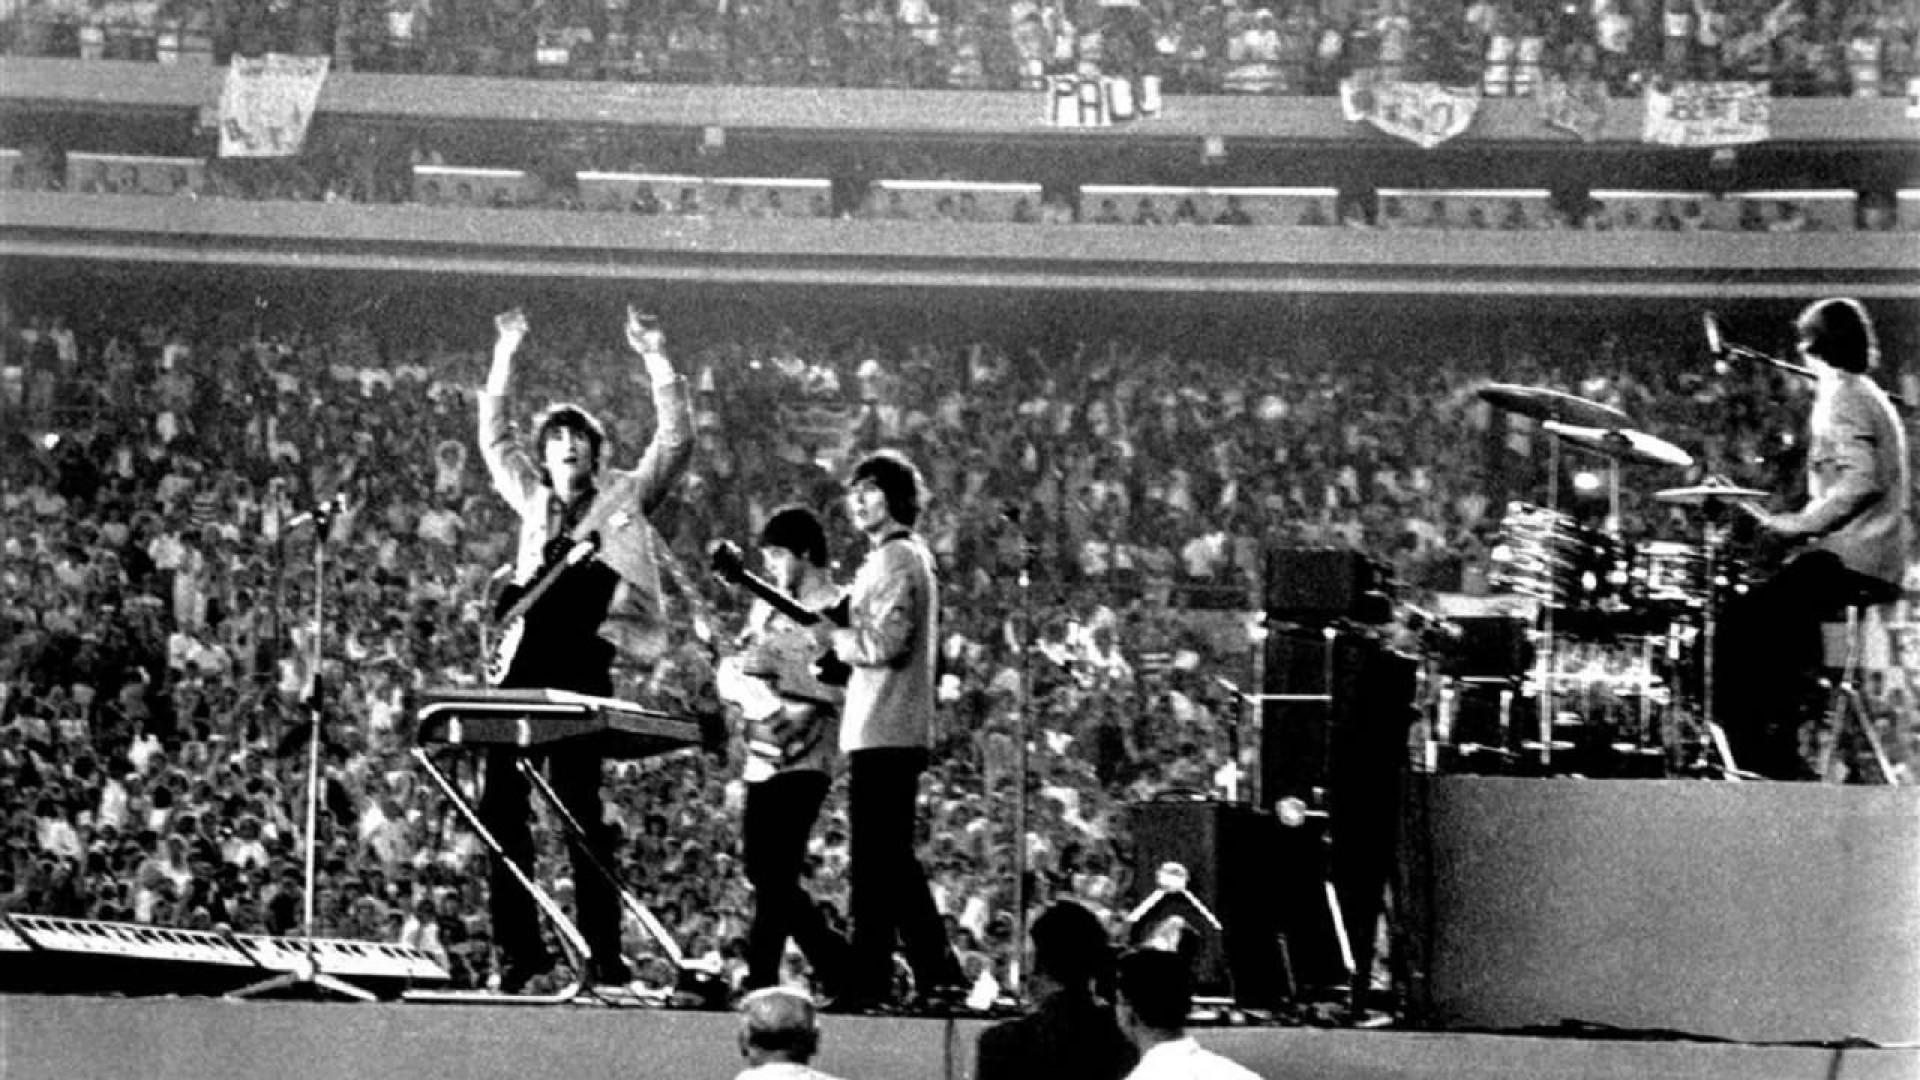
column 534, row 719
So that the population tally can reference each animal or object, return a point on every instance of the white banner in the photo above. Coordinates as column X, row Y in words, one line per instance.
column 1425, row 114
column 1087, row 100
column 1708, row 114
column 1913, row 99
column 267, row 102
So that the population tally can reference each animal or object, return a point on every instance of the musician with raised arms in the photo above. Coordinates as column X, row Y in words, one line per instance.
column 1852, row 539
column 587, row 582
column 790, row 719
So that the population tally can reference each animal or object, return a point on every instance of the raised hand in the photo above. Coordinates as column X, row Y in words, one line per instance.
column 643, row 333
column 511, row 325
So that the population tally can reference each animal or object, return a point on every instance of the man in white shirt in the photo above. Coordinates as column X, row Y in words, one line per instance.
column 779, row 1034
column 1155, row 997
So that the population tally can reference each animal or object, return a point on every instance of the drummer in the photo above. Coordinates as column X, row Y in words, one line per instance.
column 1851, row 541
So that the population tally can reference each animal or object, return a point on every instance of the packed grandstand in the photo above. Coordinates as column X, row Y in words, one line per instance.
column 1109, row 474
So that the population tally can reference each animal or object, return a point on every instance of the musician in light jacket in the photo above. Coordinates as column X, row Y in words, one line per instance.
column 609, row 598
column 886, row 730
column 1853, row 538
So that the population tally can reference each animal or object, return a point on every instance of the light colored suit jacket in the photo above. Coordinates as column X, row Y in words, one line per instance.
column 619, row 512
column 1858, row 487
column 893, row 629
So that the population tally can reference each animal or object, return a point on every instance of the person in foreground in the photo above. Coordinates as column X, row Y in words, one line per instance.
column 779, row 1035
column 1071, row 1033
column 1155, row 997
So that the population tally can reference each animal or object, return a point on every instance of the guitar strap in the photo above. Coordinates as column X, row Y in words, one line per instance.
column 561, row 520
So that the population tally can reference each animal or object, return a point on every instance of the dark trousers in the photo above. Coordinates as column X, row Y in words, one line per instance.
column 1770, row 655
column 891, row 900
column 505, row 810
column 548, row 660
column 773, row 838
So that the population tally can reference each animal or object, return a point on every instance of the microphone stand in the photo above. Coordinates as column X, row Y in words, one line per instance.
column 1023, row 733
column 307, row 976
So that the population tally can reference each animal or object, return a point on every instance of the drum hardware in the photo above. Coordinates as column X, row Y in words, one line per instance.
column 1543, row 404
column 1713, row 497
column 1623, row 444
column 1554, row 407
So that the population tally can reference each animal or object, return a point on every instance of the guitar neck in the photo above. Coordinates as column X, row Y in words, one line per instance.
column 777, row 599
column 524, row 603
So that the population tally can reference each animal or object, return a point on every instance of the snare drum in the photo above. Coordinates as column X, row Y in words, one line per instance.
column 1547, row 555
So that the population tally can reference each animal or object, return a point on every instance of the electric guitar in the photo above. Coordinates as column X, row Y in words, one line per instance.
column 732, row 569
column 807, row 680
column 510, row 611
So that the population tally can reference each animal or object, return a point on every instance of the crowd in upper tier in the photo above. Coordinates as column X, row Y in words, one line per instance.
column 1861, row 48
column 1100, row 512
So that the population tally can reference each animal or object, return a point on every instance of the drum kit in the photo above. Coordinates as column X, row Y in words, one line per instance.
column 1621, row 678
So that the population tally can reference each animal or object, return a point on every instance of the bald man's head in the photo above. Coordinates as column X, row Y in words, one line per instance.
column 777, row 1024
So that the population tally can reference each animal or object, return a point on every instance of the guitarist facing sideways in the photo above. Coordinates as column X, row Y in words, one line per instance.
column 791, row 714
column 589, row 528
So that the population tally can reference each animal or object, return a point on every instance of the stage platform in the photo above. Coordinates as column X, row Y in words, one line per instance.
column 78, row 1038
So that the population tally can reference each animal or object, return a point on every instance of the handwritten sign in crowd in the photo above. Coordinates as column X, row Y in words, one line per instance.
column 1708, row 114
column 1426, row 114
column 267, row 102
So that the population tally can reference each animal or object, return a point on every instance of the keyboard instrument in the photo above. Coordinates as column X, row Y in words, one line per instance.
column 536, row 719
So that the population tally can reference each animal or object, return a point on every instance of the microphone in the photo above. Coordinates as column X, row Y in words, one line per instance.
column 1723, row 350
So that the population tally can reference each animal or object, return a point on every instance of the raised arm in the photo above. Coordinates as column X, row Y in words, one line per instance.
column 508, row 465
column 671, row 448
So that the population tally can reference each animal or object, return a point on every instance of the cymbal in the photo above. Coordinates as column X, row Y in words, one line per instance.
column 1712, row 491
column 1544, row 404
column 1623, row 443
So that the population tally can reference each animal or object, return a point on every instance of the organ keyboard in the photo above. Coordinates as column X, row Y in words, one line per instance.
column 537, row 719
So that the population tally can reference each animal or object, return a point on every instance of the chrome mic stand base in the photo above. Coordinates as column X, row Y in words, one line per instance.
column 309, row 980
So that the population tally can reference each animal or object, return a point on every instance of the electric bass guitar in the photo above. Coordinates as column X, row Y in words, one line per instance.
column 806, row 680
column 510, row 611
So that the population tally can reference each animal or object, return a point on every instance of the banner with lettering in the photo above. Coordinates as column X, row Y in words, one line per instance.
column 267, row 102
column 1579, row 106
column 1425, row 114
column 1089, row 101
column 1708, row 114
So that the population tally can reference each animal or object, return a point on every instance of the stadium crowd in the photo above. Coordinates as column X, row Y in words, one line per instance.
column 1101, row 511
column 1862, row 48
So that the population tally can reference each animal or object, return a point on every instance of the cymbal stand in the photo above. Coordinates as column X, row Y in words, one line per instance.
column 1710, row 536
column 1546, row 656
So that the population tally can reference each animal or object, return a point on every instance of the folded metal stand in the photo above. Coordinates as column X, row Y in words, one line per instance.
column 572, row 941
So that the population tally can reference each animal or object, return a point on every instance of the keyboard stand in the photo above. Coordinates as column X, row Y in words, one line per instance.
column 632, row 903
column 570, row 937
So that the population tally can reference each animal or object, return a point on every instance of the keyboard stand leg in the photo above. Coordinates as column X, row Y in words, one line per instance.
column 669, row 947
column 570, row 937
